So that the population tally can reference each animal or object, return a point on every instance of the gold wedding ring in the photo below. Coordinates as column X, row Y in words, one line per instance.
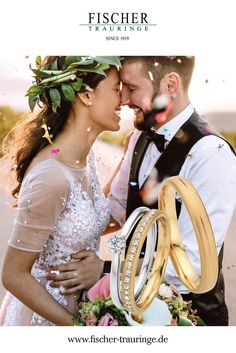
column 132, row 258
column 202, row 228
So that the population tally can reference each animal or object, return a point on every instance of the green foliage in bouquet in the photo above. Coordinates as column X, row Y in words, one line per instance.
column 181, row 310
column 54, row 85
column 99, row 313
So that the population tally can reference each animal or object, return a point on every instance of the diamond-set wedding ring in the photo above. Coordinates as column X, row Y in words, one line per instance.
column 135, row 293
column 151, row 286
column 118, row 243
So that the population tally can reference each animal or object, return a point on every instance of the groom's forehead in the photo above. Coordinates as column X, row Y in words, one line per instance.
column 130, row 70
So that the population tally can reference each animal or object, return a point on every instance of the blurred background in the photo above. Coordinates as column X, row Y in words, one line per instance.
column 212, row 93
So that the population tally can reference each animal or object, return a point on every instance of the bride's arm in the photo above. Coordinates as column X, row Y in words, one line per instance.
column 17, row 279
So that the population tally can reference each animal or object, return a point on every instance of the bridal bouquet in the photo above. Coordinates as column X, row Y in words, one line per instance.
column 97, row 309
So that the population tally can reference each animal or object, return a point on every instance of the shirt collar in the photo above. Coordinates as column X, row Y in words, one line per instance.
column 170, row 128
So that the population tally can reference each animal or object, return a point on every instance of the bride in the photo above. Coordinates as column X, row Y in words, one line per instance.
column 60, row 206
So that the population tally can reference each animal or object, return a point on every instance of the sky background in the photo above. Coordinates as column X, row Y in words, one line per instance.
column 212, row 88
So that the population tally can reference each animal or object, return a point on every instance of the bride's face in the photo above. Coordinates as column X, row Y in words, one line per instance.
column 106, row 103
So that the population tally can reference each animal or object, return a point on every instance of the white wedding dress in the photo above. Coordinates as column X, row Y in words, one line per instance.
column 61, row 210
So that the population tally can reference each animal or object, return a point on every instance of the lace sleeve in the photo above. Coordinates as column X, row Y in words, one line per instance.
column 41, row 200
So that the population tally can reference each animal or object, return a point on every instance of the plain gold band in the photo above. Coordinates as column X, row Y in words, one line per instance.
column 202, row 228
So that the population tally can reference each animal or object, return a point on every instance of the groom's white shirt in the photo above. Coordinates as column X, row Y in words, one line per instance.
column 211, row 169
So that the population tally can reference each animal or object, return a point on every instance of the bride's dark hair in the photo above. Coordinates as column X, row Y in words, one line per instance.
column 25, row 140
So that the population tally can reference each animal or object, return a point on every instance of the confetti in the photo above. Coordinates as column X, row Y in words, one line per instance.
column 133, row 183
column 220, row 146
column 150, row 75
column 179, row 61
column 160, row 101
column 88, row 88
column 126, row 76
column 206, row 81
column 55, row 151
column 151, row 190
column 189, row 155
column 156, row 64
column 160, row 118
column 112, row 224
column 77, row 162
column 182, row 136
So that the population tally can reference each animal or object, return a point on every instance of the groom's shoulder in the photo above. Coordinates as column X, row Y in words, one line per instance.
column 210, row 144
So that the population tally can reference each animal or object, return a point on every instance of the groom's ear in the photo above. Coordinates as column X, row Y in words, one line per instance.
column 86, row 98
column 170, row 83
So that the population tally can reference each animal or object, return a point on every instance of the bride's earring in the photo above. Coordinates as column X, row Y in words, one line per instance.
column 89, row 103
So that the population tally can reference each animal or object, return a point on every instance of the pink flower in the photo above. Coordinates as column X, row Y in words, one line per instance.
column 100, row 290
column 107, row 320
column 91, row 319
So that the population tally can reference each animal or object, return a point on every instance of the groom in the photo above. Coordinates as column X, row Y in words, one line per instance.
column 184, row 144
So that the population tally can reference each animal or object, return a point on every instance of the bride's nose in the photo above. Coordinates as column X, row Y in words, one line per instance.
column 125, row 96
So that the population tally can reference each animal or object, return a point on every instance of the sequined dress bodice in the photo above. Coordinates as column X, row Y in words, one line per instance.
column 85, row 215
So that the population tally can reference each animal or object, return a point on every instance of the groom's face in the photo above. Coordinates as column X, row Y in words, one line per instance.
column 137, row 91
column 137, row 86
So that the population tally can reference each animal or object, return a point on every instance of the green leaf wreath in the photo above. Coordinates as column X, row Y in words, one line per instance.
column 57, row 85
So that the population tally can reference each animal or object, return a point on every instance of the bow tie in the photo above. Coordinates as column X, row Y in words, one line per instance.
column 158, row 139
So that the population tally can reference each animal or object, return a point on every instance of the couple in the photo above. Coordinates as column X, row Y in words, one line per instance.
column 62, row 211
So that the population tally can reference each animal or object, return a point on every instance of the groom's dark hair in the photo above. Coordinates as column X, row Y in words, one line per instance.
column 158, row 66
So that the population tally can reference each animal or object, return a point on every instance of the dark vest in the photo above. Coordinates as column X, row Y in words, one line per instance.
column 170, row 164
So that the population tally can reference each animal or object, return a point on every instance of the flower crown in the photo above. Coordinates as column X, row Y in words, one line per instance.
column 55, row 85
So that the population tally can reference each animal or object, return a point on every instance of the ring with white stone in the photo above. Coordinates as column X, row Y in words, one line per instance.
column 118, row 243
column 129, row 300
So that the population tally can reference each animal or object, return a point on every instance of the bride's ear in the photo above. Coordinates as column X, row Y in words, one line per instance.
column 85, row 98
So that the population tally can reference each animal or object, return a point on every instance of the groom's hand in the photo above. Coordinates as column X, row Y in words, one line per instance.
column 77, row 275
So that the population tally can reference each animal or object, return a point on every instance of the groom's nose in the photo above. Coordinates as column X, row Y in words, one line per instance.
column 125, row 96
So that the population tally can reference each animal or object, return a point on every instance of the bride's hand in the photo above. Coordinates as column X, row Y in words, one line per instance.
column 77, row 275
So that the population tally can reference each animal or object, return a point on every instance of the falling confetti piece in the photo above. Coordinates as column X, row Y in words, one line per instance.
column 160, row 118
column 161, row 101
column 112, row 224
column 77, row 162
column 126, row 76
column 151, row 190
column 189, row 155
column 133, row 183
column 206, row 81
column 220, row 146
column 55, row 151
column 156, row 64
column 150, row 75
column 88, row 88
column 182, row 136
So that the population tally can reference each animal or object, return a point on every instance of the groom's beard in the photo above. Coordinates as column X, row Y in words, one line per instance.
column 145, row 121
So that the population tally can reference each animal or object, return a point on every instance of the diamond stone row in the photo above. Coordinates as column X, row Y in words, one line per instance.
column 131, row 257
